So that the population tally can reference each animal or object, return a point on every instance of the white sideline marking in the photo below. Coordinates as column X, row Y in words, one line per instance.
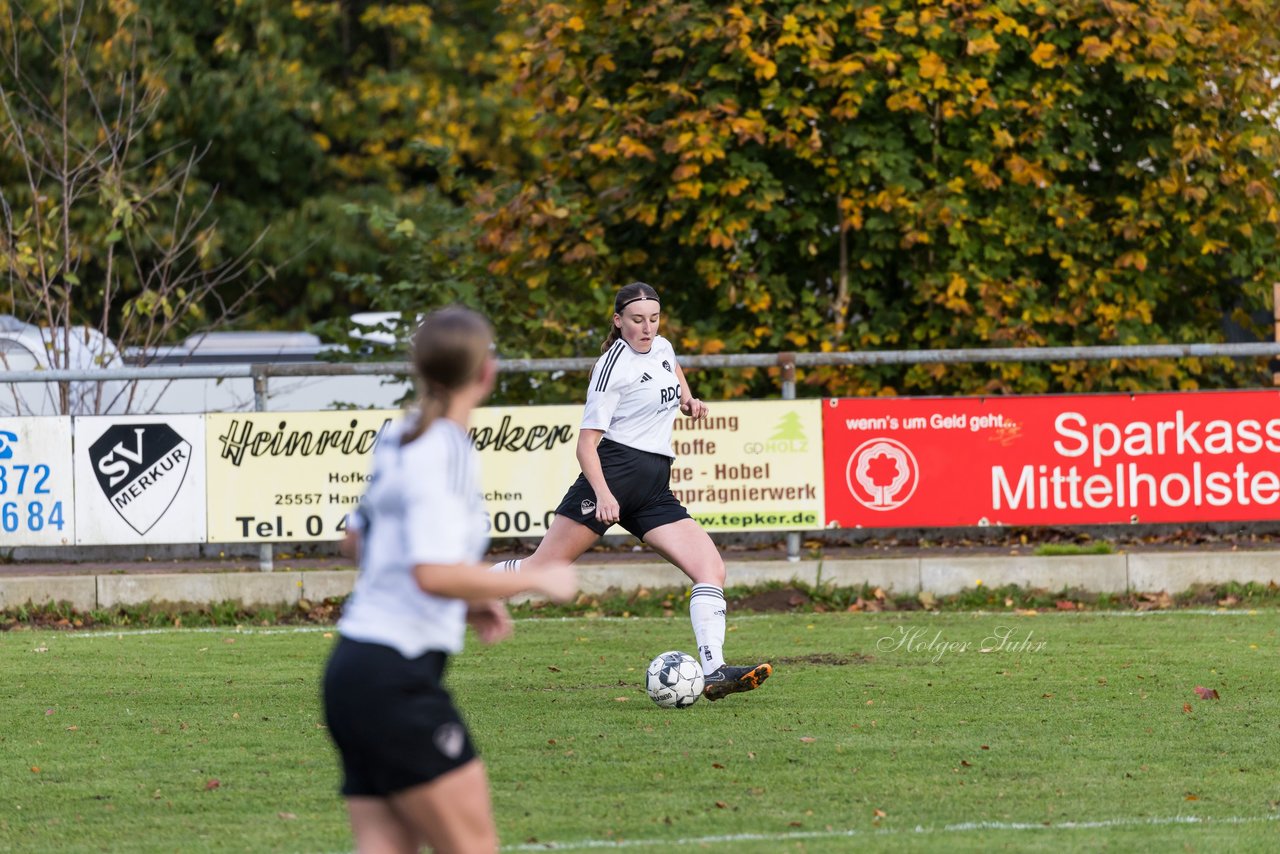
column 964, row 827
column 208, row 630
column 1190, row 612
column 901, row 615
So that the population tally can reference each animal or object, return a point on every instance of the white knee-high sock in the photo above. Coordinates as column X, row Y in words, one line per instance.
column 706, row 611
column 506, row 566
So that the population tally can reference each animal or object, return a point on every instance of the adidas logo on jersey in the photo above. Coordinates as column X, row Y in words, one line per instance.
column 644, row 378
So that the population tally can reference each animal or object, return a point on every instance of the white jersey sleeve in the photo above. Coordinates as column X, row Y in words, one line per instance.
column 605, row 391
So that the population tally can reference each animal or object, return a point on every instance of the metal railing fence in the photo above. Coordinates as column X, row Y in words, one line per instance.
column 991, row 355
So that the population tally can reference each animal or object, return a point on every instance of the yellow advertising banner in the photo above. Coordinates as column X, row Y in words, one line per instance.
column 293, row 476
column 528, row 458
column 287, row 476
column 752, row 466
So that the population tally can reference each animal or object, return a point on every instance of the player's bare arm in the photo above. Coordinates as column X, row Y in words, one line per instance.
column 689, row 405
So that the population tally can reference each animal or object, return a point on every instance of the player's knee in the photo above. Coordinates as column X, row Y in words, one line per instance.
column 710, row 571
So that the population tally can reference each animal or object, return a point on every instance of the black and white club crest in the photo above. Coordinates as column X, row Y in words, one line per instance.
column 140, row 468
column 450, row 738
column 667, row 365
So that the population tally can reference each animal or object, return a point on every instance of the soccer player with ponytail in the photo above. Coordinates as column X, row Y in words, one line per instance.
column 624, row 449
column 410, row 773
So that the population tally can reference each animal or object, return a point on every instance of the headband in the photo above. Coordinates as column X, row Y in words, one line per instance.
column 636, row 299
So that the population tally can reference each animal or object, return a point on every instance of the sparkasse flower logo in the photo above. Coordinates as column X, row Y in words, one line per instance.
column 882, row 474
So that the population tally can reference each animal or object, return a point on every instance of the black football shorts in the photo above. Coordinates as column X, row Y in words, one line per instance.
column 641, row 482
column 391, row 719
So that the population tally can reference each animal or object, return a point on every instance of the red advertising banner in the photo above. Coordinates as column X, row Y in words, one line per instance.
column 1052, row 460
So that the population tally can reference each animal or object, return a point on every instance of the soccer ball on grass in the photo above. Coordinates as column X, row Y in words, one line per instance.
column 674, row 680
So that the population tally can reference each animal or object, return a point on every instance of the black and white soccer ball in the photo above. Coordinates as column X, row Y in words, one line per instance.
column 674, row 680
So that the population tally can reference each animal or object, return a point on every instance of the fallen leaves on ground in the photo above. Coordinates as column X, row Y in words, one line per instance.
column 1154, row 601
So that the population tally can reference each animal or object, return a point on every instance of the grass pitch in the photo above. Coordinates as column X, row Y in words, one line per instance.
column 894, row 731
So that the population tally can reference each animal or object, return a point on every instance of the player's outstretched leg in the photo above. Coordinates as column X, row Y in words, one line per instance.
column 728, row 679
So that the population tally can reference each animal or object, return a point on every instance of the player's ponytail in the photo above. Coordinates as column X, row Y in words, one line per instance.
column 448, row 351
column 627, row 294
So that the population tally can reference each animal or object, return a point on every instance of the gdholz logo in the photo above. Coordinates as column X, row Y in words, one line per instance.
column 140, row 468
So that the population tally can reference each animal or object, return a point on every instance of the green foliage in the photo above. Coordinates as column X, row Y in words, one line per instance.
column 311, row 108
column 297, row 111
column 791, row 175
column 154, row 615
column 105, row 226
column 85, row 206
column 911, row 175
column 1052, row 549
column 432, row 261
column 796, row 596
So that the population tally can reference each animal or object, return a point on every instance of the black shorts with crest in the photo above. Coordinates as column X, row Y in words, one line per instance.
column 391, row 719
column 641, row 482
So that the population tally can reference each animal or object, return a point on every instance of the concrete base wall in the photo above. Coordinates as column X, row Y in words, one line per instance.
column 251, row 589
column 80, row 591
column 1180, row 570
column 1098, row 573
column 1172, row 572
column 893, row 575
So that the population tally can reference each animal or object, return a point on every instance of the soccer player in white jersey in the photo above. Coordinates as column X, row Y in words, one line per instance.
column 410, row 773
column 624, row 449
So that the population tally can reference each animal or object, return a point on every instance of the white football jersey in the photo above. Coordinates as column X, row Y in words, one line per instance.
column 634, row 397
column 423, row 505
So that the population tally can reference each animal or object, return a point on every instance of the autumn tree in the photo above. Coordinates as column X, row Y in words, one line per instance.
column 420, row 129
column 105, row 239
column 894, row 174
column 301, row 112
column 324, row 118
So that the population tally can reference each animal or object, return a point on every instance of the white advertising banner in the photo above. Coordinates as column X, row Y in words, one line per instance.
column 37, row 499
column 140, row 479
